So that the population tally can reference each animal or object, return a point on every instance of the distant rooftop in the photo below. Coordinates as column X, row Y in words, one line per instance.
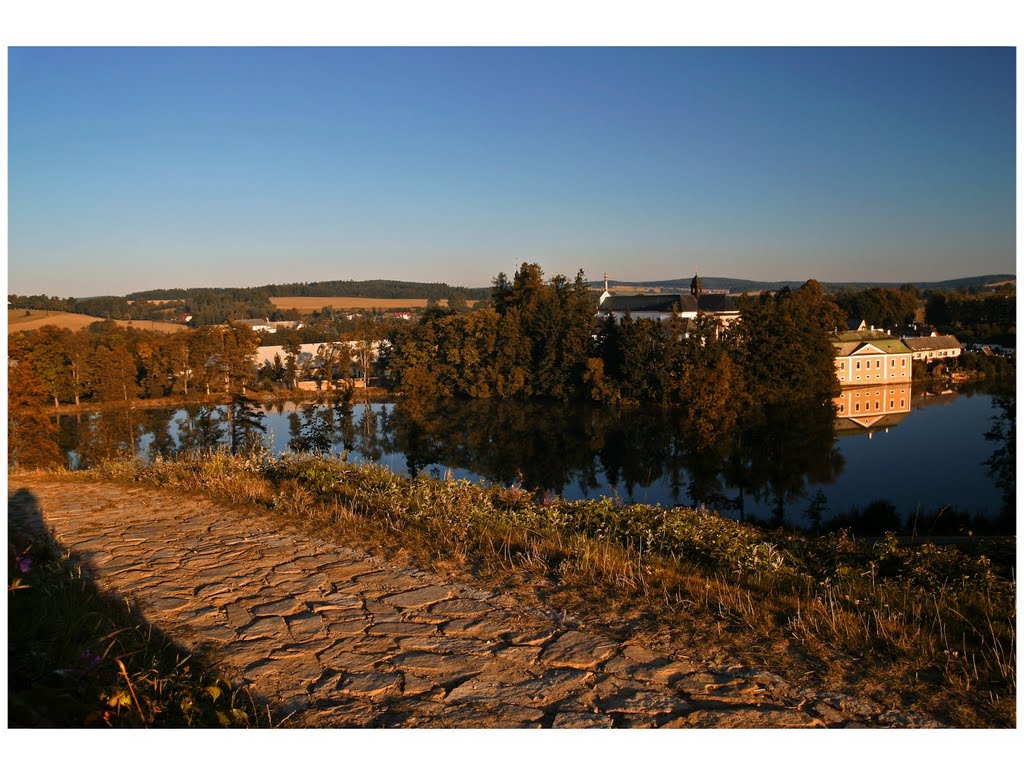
column 664, row 302
column 920, row 343
column 890, row 345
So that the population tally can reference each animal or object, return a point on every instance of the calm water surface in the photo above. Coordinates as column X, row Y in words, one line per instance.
column 790, row 467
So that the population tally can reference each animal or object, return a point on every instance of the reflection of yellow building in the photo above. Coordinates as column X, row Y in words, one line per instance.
column 863, row 360
column 872, row 406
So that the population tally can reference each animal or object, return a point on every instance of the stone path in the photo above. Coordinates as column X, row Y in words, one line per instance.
column 340, row 639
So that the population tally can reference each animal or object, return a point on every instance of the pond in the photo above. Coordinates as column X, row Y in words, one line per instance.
column 899, row 459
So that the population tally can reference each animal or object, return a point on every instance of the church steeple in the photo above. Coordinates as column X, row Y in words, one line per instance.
column 607, row 294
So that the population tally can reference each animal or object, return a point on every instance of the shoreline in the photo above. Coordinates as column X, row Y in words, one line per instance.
column 374, row 394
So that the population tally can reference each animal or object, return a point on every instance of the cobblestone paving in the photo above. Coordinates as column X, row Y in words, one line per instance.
column 339, row 639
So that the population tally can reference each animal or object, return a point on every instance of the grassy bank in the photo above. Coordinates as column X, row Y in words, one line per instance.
column 78, row 659
column 929, row 627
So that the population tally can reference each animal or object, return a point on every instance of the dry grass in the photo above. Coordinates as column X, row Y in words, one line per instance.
column 306, row 304
column 22, row 320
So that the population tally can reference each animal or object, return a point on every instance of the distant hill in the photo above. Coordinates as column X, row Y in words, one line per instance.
column 735, row 285
column 379, row 289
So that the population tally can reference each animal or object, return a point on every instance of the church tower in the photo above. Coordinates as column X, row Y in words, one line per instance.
column 606, row 294
column 695, row 288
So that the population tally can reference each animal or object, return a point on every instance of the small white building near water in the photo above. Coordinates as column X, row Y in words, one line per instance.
column 929, row 348
column 311, row 354
column 268, row 326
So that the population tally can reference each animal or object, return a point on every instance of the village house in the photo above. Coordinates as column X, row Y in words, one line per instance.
column 662, row 306
column 267, row 326
column 864, row 358
column 930, row 348
column 312, row 356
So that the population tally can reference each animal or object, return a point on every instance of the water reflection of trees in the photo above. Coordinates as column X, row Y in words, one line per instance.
column 1002, row 463
column 771, row 460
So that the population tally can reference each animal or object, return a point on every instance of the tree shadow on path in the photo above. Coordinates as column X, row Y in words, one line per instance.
column 79, row 657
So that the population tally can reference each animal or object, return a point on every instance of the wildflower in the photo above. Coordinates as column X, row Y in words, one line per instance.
column 23, row 563
column 89, row 661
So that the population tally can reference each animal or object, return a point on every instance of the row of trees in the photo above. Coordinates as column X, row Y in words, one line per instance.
column 541, row 340
column 115, row 365
column 207, row 307
column 881, row 307
column 990, row 317
column 107, row 362
column 980, row 315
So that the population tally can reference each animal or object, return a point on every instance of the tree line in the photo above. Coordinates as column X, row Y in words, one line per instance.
column 207, row 307
column 542, row 339
column 989, row 317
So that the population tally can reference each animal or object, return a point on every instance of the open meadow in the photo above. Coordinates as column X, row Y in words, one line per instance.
column 29, row 320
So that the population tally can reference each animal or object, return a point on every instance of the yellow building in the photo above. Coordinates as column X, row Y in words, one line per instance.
column 864, row 360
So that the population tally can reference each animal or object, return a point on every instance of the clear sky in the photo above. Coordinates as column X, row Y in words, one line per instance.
column 139, row 168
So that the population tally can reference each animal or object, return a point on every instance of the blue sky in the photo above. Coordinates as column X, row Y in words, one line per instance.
column 143, row 168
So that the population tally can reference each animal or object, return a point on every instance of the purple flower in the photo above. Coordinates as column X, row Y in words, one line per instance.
column 89, row 660
column 23, row 563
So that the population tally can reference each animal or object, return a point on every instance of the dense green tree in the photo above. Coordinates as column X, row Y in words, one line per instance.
column 785, row 345
column 880, row 307
column 709, row 383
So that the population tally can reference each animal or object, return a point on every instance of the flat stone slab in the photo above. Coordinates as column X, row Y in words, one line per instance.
column 550, row 688
column 460, row 607
column 337, row 601
column 582, row 721
column 444, row 664
column 401, row 628
column 348, row 626
column 286, row 605
column 168, row 604
column 578, row 649
column 646, row 702
column 371, row 684
column 419, row 598
column 305, row 625
column 265, row 627
column 342, row 656
column 390, row 581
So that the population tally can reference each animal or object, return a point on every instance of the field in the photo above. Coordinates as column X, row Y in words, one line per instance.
column 316, row 303
column 29, row 320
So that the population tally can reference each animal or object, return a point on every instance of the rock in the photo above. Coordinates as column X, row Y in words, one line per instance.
column 579, row 650
column 265, row 627
column 582, row 721
column 460, row 607
column 280, row 607
column 306, row 625
column 371, row 684
column 401, row 628
column 419, row 598
column 644, row 702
